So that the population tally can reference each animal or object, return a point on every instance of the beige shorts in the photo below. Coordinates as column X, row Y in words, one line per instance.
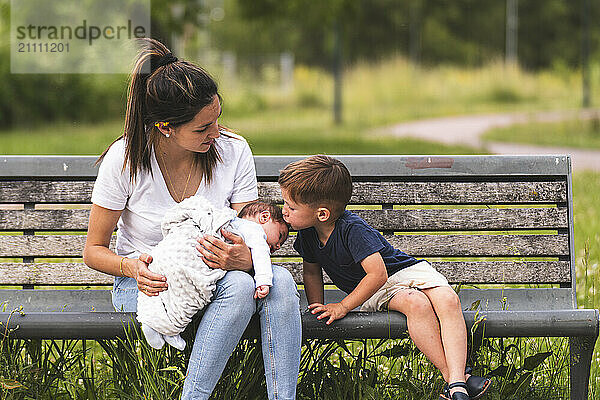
column 419, row 276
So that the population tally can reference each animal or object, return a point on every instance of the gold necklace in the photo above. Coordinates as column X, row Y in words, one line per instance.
column 169, row 178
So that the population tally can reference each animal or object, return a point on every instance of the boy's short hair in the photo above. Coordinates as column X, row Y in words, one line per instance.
column 256, row 207
column 318, row 180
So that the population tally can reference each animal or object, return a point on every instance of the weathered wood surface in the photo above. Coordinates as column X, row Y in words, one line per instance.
column 399, row 220
column 51, row 274
column 416, row 245
column 46, row 191
column 466, row 219
column 44, row 219
column 443, row 192
column 363, row 192
column 488, row 272
column 69, row 246
column 455, row 271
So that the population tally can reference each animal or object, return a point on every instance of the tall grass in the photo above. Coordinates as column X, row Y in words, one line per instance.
column 127, row 368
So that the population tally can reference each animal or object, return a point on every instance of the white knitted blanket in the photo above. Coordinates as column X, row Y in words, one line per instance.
column 191, row 282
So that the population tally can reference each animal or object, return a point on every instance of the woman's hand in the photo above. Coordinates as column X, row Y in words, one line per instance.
column 218, row 254
column 148, row 282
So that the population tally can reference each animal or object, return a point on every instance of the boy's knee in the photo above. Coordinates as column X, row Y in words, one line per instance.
column 417, row 302
column 448, row 299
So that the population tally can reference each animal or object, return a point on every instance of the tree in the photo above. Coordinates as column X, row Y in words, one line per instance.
column 327, row 33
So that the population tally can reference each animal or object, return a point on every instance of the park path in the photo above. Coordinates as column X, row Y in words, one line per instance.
column 469, row 129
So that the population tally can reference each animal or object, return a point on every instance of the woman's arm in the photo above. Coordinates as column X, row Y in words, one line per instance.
column 238, row 206
column 228, row 256
column 97, row 255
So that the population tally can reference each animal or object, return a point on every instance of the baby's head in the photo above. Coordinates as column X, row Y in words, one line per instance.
column 270, row 217
column 315, row 189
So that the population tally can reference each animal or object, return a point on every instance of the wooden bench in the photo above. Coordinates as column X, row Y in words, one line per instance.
column 503, row 224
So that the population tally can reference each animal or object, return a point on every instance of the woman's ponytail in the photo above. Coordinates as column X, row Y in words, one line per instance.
column 163, row 89
column 138, row 141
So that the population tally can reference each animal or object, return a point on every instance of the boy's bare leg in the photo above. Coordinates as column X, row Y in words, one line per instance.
column 446, row 305
column 423, row 326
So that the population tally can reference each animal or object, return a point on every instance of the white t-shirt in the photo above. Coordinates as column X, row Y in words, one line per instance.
column 146, row 201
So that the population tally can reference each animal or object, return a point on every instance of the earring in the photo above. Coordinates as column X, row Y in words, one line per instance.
column 167, row 135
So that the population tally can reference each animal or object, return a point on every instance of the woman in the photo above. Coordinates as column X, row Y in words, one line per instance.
column 173, row 148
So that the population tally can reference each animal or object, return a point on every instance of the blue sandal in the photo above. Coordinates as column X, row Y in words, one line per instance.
column 456, row 395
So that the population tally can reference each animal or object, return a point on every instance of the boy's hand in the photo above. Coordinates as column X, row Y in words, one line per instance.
column 261, row 292
column 332, row 310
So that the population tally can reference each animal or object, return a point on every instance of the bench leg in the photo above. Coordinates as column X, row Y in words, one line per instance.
column 580, row 349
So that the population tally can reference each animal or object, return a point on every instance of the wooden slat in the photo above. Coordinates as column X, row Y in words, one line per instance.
column 364, row 192
column 480, row 272
column 46, row 191
column 466, row 219
column 398, row 220
column 476, row 272
column 416, row 245
column 51, row 274
column 41, row 246
column 505, row 271
column 444, row 192
column 44, row 246
column 468, row 245
column 481, row 245
column 44, row 219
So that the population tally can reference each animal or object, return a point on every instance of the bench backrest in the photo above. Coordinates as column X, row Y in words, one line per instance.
column 480, row 220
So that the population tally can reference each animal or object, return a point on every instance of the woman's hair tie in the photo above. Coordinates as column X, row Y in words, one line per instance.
column 164, row 60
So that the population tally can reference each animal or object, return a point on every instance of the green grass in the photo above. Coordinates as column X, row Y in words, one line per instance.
column 571, row 133
column 312, row 133
column 586, row 199
column 374, row 95
column 61, row 138
column 300, row 122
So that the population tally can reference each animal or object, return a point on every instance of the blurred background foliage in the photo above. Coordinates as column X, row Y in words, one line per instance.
column 242, row 36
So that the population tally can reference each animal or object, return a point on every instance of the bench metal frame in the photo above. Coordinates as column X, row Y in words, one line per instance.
column 531, row 312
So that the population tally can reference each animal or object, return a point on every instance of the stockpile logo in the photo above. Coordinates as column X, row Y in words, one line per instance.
column 76, row 36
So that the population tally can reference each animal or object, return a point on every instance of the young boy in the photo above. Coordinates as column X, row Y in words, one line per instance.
column 361, row 262
column 192, row 282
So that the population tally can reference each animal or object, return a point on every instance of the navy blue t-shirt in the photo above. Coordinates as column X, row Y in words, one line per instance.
column 351, row 241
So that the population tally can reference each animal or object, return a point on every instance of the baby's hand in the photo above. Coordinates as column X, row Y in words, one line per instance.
column 261, row 292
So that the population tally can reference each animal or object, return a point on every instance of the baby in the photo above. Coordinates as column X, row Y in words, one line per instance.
column 191, row 281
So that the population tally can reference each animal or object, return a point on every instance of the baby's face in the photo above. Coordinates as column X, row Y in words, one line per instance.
column 277, row 233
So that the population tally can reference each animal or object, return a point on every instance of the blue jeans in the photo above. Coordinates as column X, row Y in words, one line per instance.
column 223, row 324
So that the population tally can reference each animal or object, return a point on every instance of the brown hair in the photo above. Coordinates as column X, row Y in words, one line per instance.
column 256, row 207
column 318, row 180
column 163, row 89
